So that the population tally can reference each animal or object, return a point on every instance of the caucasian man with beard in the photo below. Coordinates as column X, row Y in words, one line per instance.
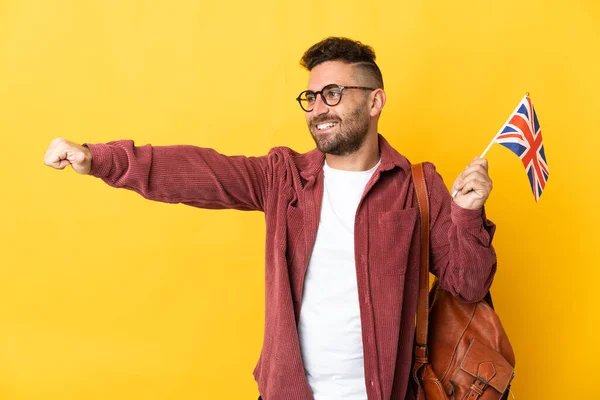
column 342, row 251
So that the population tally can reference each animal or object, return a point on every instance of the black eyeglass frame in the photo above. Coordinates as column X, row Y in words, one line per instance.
column 330, row 86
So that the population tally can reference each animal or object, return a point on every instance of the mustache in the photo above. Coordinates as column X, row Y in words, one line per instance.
column 319, row 119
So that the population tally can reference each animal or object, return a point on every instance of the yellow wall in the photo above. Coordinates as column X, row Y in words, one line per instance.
column 107, row 296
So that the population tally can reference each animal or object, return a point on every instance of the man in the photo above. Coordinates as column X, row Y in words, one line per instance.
column 342, row 231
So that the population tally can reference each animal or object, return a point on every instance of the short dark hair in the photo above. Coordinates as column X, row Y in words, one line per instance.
column 345, row 50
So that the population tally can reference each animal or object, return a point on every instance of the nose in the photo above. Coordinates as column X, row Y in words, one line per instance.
column 320, row 107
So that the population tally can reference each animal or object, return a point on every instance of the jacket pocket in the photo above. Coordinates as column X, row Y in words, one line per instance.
column 390, row 240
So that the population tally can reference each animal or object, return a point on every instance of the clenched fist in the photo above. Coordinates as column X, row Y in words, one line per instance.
column 61, row 153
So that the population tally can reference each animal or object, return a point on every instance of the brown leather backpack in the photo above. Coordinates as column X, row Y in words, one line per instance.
column 461, row 349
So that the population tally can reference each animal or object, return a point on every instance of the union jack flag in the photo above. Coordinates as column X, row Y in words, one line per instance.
column 522, row 135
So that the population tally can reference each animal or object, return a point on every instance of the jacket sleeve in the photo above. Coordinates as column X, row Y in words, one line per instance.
column 190, row 175
column 462, row 256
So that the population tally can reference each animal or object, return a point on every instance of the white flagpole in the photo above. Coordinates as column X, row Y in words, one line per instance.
column 499, row 132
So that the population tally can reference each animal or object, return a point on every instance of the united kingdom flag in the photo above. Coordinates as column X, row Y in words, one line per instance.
column 522, row 135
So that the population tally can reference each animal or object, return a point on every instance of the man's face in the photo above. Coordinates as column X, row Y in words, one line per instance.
column 341, row 129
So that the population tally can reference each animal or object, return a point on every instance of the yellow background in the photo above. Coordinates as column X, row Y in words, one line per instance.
column 104, row 295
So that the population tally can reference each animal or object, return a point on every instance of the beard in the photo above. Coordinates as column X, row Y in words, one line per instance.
column 348, row 135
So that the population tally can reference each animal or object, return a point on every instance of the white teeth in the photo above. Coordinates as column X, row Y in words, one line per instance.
column 326, row 126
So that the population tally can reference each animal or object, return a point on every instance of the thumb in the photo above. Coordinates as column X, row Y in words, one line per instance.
column 80, row 161
column 458, row 184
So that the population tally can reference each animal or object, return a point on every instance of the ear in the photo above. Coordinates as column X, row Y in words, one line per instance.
column 377, row 102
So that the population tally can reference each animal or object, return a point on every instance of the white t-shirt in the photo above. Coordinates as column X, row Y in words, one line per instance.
column 329, row 327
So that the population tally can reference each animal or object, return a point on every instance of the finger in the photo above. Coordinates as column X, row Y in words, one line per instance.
column 55, row 158
column 458, row 183
column 74, row 156
column 475, row 173
column 62, row 164
column 481, row 176
column 479, row 165
column 56, row 141
column 54, row 144
column 480, row 187
column 471, row 189
column 476, row 177
column 480, row 161
column 473, row 169
column 476, row 164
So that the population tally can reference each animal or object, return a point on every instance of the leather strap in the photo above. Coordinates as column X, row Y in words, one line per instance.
column 485, row 372
column 476, row 390
column 421, row 353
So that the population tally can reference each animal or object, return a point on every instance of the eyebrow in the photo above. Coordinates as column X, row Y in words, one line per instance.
column 332, row 83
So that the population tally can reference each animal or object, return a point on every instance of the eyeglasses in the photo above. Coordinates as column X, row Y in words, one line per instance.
column 330, row 94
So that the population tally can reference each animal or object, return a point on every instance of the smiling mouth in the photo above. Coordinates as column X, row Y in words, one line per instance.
column 325, row 126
